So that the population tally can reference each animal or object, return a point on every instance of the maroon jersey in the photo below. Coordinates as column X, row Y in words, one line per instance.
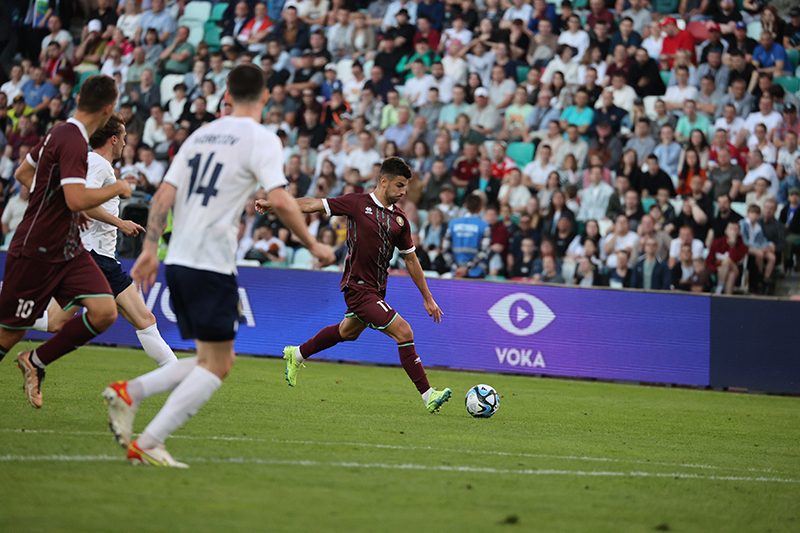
column 49, row 230
column 373, row 232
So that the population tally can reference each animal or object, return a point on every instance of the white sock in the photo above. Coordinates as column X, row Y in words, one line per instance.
column 426, row 395
column 163, row 379
column 720, row 288
column 36, row 361
column 41, row 323
column 154, row 345
column 182, row 404
column 298, row 356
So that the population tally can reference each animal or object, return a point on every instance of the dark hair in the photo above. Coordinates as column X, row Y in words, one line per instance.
column 113, row 127
column 393, row 167
column 97, row 92
column 684, row 174
column 473, row 203
column 246, row 84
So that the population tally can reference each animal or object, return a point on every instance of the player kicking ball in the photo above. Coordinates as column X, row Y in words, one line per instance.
column 375, row 226
column 100, row 239
column 214, row 173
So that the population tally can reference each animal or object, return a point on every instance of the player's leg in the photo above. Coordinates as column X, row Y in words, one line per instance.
column 401, row 332
column 55, row 317
column 214, row 362
column 133, row 309
column 348, row 329
column 8, row 339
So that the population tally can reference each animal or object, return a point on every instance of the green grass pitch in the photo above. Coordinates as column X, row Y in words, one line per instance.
column 352, row 448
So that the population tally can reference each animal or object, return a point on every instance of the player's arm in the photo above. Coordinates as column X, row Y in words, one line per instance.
column 24, row 173
column 307, row 205
column 146, row 266
column 290, row 211
column 127, row 227
column 415, row 271
column 79, row 198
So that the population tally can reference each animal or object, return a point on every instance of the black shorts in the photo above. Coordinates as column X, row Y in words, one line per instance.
column 206, row 303
column 112, row 270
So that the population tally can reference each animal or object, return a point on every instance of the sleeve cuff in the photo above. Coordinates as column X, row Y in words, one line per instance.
column 327, row 207
column 30, row 160
column 73, row 181
column 410, row 250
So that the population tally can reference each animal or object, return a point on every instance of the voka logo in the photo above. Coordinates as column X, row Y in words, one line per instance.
column 521, row 314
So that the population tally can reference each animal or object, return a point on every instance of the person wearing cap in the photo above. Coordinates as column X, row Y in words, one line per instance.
column 331, row 82
column 390, row 17
column 791, row 34
column 483, row 115
column 90, row 52
column 770, row 57
column 674, row 40
column 740, row 41
column 714, row 42
column 791, row 122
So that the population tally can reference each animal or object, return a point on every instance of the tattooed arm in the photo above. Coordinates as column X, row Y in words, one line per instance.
column 146, row 267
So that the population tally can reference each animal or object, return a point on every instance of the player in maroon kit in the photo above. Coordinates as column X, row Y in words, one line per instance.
column 46, row 258
column 375, row 226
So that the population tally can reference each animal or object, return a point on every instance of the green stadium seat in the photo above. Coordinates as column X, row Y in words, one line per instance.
column 665, row 76
column 218, row 11
column 754, row 30
column 794, row 58
column 521, row 153
column 522, row 73
column 790, row 84
column 196, row 31
column 212, row 36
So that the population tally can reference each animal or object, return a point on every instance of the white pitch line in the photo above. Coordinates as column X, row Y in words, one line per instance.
column 400, row 447
column 408, row 466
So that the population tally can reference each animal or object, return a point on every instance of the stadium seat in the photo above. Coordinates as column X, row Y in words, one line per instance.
column 665, row 76
column 7, row 241
column 168, row 85
column 212, row 36
column 521, row 153
column 303, row 259
column 248, row 263
column 789, row 84
column 740, row 208
column 82, row 78
column 754, row 30
column 344, row 70
column 522, row 73
column 218, row 11
column 197, row 10
column 196, row 31
column 794, row 58
column 430, row 273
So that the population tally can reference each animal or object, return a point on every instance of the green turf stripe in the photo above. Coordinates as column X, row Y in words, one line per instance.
column 88, row 326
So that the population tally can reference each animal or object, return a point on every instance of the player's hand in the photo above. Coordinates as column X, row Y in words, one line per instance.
column 324, row 253
column 144, row 271
column 83, row 221
column 124, row 187
column 433, row 310
column 130, row 228
column 262, row 206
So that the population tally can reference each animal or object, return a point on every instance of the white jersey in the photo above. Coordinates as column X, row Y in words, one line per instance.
column 101, row 237
column 215, row 172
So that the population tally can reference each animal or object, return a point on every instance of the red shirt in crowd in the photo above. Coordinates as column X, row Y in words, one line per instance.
column 682, row 41
column 721, row 247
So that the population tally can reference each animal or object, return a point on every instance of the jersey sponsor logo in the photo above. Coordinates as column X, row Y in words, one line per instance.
column 521, row 314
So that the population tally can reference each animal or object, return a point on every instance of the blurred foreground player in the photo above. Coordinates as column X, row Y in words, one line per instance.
column 100, row 239
column 46, row 259
column 375, row 226
column 214, row 173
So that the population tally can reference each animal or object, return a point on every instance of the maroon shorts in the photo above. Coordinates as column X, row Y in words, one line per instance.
column 28, row 286
column 369, row 308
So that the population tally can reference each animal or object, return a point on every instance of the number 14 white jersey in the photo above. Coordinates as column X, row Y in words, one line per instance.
column 215, row 172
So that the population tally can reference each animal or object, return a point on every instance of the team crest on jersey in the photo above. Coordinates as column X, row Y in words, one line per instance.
column 400, row 221
column 368, row 210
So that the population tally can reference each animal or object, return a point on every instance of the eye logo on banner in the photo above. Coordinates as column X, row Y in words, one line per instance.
column 521, row 314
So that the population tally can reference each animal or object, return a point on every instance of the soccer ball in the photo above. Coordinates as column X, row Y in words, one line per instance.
column 482, row 401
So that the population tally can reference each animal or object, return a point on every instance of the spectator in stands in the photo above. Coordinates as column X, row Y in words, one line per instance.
column 47, row 118
column 770, row 57
column 650, row 272
column 294, row 174
column 620, row 277
column 485, row 182
column 138, row 65
column 14, row 211
column 644, row 73
column 572, row 145
column 674, row 40
column 549, row 272
column 192, row 120
column 724, row 257
column 154, row 126
column 145, row 95
column 606, row 112
column 59, row 36
column 150, row 172
column 178, row 56
column 762, row 251
column 38, row 91
column 291, row 32
column 128, row 22
column 683, row 270
column 234, row 22
column 595, row 197
column 467, row 240
column 156, row 18
column 13, row 86
column 57, row 68
column 25, row 134
column 685, row 238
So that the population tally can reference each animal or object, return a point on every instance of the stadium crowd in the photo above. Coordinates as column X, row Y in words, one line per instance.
column 620, row 143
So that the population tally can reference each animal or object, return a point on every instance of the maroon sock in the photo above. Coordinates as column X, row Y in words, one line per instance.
column 326, row 338
column 3, row 352
column 413, row 366
column 75, row 333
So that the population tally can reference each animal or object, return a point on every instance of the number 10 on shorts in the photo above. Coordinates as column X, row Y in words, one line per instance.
column 386, row 307
column 24, row 308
